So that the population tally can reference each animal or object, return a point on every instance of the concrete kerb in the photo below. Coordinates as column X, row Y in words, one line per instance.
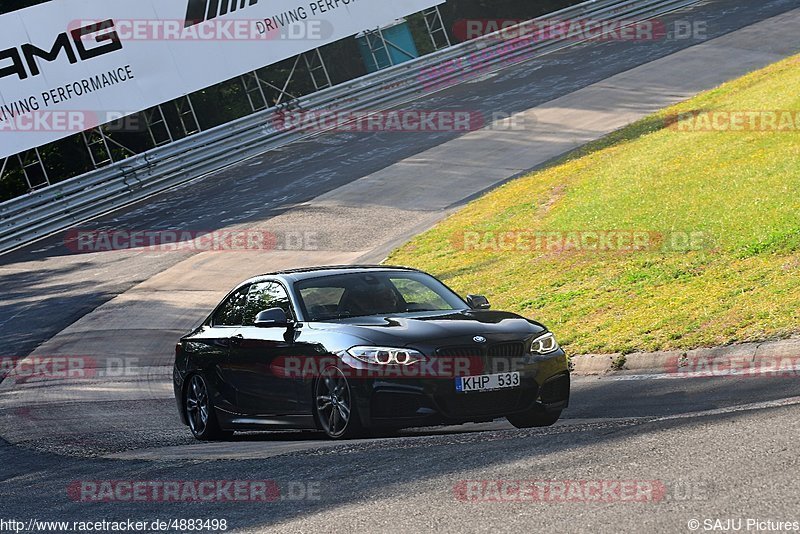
column 664, row 362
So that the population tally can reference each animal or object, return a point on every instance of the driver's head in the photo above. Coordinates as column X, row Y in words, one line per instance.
column 384, row 300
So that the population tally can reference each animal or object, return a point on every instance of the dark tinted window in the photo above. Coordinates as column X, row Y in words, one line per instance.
column 378, row 293
column 232, row 310
column 264, row 296
column 418, row 296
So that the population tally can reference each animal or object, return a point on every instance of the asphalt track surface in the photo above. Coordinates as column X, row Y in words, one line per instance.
column 722, row 448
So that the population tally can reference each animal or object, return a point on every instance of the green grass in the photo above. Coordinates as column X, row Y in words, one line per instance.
column 739, row 190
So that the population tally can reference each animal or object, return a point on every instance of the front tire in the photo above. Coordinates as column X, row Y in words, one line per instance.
column 335, row 407
column 200, row 411
column 534, row 418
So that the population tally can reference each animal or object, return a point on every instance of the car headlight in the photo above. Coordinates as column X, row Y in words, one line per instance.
column 545, row 344
column 386, row 355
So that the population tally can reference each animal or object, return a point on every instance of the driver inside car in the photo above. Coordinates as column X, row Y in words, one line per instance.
column 370, row 300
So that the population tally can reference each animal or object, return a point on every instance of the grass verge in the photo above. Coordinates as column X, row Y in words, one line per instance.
column 715, row 216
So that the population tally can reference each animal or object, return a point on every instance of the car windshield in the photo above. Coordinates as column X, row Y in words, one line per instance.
column 374, row 293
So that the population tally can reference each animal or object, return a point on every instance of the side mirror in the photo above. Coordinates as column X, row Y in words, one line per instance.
column 478, row 302
column 273, row 318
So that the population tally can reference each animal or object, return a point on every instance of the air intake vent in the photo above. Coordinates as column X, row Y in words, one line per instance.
column 506, row 350
column 460, row 352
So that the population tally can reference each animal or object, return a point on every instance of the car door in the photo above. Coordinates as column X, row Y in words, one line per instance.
column 211, row 346
column 260, row 353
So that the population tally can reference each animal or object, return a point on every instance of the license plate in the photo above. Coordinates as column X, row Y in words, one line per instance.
column 467, row 384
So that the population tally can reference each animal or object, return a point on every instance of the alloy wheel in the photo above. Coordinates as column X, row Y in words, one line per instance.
column 197, row 405
column 334, row 402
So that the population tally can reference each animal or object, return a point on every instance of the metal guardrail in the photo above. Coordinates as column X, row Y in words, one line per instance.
column 78, row 199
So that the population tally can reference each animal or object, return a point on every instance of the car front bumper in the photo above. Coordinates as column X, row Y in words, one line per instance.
column 407, row 403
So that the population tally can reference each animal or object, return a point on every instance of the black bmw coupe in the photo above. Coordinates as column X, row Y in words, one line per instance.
column 346, row 349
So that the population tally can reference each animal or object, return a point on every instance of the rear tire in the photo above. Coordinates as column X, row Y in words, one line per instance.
column 534, row 418
column 335, row 407
column 200, row 411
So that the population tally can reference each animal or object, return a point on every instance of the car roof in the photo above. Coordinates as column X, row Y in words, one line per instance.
column 296, row 275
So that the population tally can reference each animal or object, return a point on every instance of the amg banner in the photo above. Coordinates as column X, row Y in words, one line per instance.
column 71, row 65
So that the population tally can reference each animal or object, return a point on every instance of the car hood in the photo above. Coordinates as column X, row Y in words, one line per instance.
column 448, row 327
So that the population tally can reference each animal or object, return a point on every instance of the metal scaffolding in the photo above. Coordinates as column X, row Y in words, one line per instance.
column 157, row 126
column 254, row 91
column 187, row 116
column 32, row 167
column 315, row 67
column 97, row 146
column 98, row 143
column 436, row 29
column 380, row 46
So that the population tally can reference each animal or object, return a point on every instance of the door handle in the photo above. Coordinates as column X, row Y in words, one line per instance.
column 237, row 340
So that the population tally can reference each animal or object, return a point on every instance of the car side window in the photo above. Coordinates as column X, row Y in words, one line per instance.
column 231, row 313
column 264, row 296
